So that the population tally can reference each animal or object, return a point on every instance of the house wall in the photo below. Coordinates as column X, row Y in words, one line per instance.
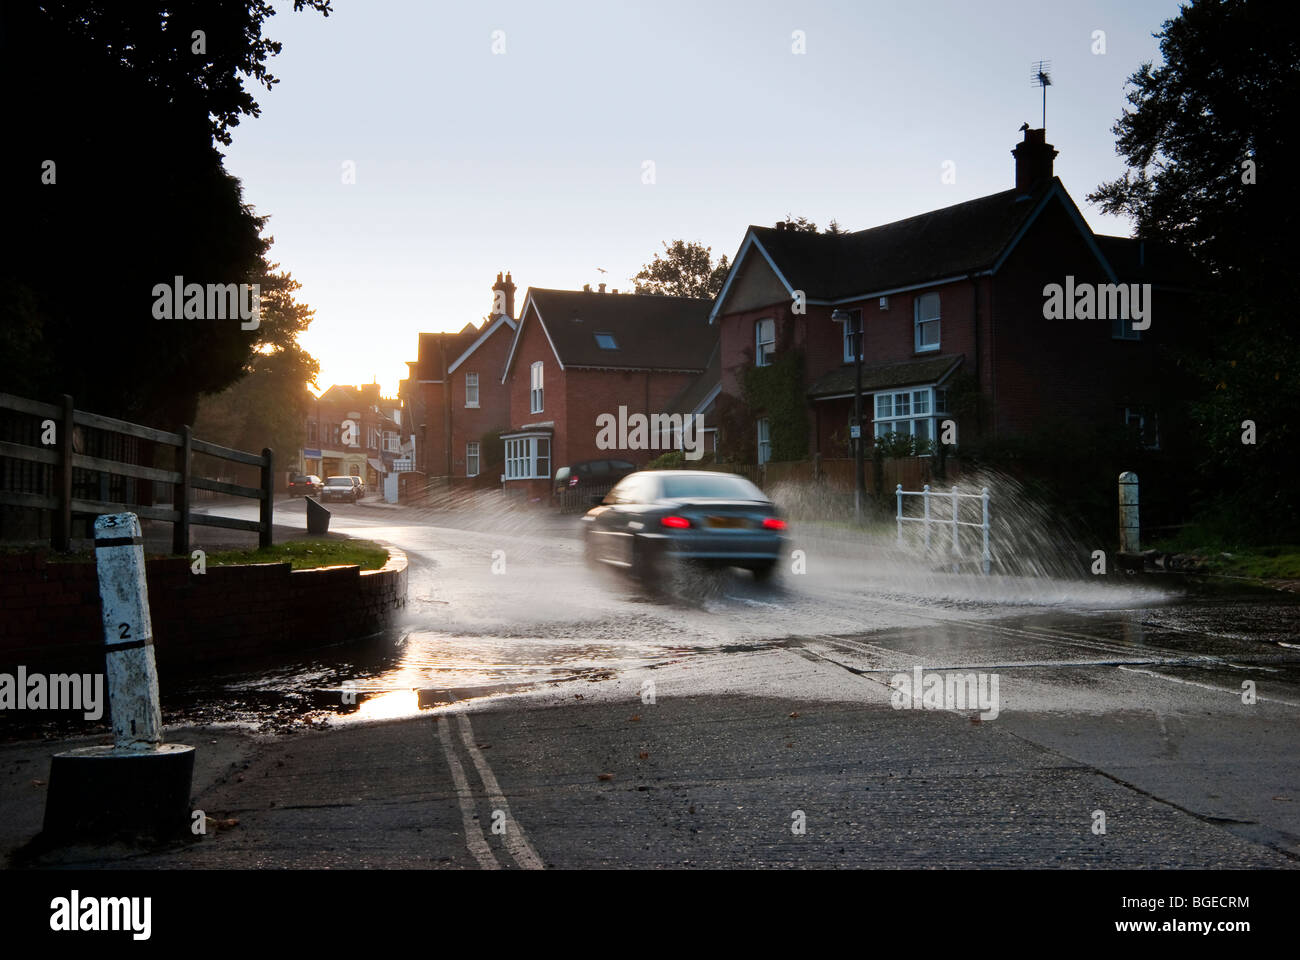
column 594, row 392
column 493, row 412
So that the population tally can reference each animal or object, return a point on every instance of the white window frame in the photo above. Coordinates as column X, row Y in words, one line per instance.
column 920, row 321
column 537, row 391
column 764, row 347
column 471, row 391
column 764, row 427
column 922, row 406
column 528, row 457
column 850, row 331
column 471, row 458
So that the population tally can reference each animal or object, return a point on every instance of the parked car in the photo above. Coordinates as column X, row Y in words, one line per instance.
column 304, row 485
column 655, row 517
column 360, row 485
column 340, row 488
column 591, row 473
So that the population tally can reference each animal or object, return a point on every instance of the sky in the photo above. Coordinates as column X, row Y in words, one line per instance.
column 502, row 136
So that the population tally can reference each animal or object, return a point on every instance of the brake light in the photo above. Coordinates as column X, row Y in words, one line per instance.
column 773, row 523
column 677, row 523
column 573, row 480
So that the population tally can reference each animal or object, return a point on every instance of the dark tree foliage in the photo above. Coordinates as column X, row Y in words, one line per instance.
column 1209, row 137
column 110, row 102
column 686, row 270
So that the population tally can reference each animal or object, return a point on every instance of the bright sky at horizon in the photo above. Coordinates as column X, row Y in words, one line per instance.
column 470, row 162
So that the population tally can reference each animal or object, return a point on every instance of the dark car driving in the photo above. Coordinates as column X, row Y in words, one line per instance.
column 305, row 485
column 655, row 517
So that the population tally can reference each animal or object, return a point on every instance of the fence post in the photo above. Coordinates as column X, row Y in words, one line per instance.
column 925, row 495
column 984, row 497
column 1129, row 531
column 181, row 495
column 268, row 491
column 899, row 493
column 63, row 519
column 956, row 551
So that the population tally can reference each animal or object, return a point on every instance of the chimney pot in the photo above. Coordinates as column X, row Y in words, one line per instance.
column 1034, row 156
column 602, row 288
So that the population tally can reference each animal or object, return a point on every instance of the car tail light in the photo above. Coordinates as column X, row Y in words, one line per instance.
column 773, row 523
column 677, row 523
column 573, row 481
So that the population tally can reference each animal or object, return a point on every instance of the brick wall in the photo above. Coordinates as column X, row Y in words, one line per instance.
column 50, row 612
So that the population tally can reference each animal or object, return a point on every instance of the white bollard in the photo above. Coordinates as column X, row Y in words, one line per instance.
column 925, row 495
column 1129, row 529
column 899, row 493
column 128, row 632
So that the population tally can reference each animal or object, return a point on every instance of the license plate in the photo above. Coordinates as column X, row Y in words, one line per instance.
column 725, row 522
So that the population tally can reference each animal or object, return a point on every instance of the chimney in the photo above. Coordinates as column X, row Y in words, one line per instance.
column 780, row 225
column 507, row 287
column 1034, row 157
column 602, row 288
column 586, row 288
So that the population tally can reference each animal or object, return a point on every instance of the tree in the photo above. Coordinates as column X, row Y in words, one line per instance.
column 268, row 405
column 804, row 225
column 687, row 270
column 114, row 185
column 1209, row 139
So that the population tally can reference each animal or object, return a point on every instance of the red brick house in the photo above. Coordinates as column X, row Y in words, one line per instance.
column 441, row 420
column 480, row 402
column 952, row 299
column 580, row 354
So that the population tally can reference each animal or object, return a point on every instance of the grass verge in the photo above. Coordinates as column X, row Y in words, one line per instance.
column 309, row 553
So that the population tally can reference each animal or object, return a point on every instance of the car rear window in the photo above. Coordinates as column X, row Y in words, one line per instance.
column 720, row 486
column 339, row 482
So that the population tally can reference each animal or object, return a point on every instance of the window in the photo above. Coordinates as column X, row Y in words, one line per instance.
column 537, row 396
column 764, row 441
column 1143, row 426
column 606, row 341
column 391, row 442
column 471, row 458
column 915, row 412
column 372, row 438
column 852, row 327
column 336, row 434
column 927, row 322
column 528, row 458
column 471, row 389
column 311, row 431
column 764, row 341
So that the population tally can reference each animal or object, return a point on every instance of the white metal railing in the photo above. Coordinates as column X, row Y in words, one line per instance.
column 952, row 521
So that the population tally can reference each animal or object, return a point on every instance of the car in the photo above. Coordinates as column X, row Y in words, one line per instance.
column 339, row 488
column 586, row 474
column 653, row 518
column 304, row 484
column 360, row 485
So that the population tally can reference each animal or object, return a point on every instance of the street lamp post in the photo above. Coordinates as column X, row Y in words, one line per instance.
column 859, row 466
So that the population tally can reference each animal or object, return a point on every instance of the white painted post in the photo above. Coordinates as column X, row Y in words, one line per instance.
column 984, row 498
column 956, row 552
column 128, row 633
column 925, row 494
column 1129, row 529
column 899, row 492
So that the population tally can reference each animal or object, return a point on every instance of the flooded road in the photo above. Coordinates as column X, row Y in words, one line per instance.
column 501, row 604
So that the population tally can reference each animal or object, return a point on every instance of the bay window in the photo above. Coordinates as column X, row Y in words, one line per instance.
column 528, row 458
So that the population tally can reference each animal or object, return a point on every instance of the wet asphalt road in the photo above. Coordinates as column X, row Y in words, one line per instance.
column 613, row 728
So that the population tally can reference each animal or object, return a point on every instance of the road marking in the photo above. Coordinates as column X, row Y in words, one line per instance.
column 1207, row 686
column 516, row 842
column 474, row 839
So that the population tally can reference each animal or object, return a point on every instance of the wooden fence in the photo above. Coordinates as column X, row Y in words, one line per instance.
column 67, row 462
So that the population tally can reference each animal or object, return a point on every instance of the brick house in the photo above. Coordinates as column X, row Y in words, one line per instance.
column 480, row 402
column 578, row 354
column 952, row 308
column 374, row 444
column 443, row 418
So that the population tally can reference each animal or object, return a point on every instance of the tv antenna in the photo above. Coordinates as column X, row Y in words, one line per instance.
column 1042, row 77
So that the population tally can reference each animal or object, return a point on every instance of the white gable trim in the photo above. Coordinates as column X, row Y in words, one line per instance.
column 1081, row 224
column 519, row 332
column 750, row 241
column 482, row 338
